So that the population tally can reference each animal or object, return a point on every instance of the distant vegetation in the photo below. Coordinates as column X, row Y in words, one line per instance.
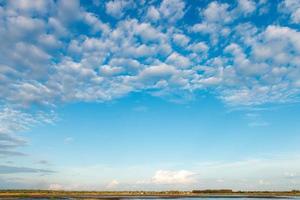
column 213, row 191
column 119, row 194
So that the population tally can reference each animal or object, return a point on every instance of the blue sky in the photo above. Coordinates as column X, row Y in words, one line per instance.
column 153, row 95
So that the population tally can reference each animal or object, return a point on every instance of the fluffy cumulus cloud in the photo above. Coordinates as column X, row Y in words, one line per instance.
column 63, row 51
column 173, row 177
column 169, row 179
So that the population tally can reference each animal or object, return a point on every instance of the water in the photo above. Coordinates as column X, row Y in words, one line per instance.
column 222, row 198
column 187, row 198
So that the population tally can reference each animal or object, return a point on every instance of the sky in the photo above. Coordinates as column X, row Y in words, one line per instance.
column 150, row 95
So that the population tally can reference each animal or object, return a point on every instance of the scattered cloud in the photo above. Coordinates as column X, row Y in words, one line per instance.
column 109, row 65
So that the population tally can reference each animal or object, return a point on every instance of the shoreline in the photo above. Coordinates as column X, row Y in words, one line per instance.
column 49, row 194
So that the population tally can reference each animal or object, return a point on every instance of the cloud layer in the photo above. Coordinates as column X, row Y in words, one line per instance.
column 55, row 52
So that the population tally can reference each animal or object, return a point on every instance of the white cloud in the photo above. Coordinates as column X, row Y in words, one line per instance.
column 68, row 11
column 107, row 70
column 271, row 53
column 199, row 47
column 153, row 14
column 147, row 32
column 276, row 33
column 215, row 20
column 292, row 7
column 95, row 23
column 157, row 71
column 29, row 7
column 181, row 39
column 246, row 6
column 58, row 28
column 296, row 16
column 216, row 12
column 109, row 65
column 131, row 65
column 173, row 177
column 178, row 60
column 172, row 10
column 117, row 8
column 48, row 41
column 112, row 184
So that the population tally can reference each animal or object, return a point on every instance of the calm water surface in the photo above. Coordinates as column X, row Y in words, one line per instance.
column 204, row 198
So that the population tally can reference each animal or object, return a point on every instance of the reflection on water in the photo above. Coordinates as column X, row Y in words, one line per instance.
column 204, row 198
column 224, row 198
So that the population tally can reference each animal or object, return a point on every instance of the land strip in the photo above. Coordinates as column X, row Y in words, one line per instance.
column 111, row 195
